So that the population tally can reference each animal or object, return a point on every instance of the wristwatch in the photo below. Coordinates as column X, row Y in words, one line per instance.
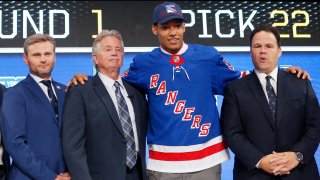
column 299, row 157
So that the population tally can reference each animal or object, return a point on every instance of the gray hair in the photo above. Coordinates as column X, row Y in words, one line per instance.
column 102, row 35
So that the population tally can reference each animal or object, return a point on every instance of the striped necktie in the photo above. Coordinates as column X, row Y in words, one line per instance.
column 271, row 96
column 126, row 126
column 52, row 97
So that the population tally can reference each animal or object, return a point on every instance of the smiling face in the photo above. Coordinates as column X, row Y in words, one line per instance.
column 109, row 56
column 40, row 58
column 265, row 51
column 170, row 35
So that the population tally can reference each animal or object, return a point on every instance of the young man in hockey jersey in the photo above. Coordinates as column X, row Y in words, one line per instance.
column 184, row 135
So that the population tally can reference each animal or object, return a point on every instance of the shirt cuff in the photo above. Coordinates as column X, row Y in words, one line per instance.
column 257, row 165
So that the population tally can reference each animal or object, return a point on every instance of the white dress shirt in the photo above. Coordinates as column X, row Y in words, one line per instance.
column 42, row 86
column 273, row 80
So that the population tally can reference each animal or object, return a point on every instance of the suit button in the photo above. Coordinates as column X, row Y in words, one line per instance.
column 123, row 163
column 124, row 141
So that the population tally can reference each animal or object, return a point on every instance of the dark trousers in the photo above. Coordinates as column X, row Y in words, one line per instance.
column 2, row 173
column 136, row 172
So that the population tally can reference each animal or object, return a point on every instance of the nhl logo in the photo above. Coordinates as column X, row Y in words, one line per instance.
column 176, row 59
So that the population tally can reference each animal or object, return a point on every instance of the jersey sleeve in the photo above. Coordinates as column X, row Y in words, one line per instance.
column 223, row 74
column 135, row 75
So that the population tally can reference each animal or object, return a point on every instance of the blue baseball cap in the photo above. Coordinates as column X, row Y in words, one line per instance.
column 167, row 11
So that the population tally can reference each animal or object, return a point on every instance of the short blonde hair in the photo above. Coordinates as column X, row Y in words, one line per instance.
column 38, row 38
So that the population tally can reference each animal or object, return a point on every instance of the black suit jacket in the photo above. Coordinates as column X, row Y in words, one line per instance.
column 251, row 132
column 5, row 157
column 93, row 141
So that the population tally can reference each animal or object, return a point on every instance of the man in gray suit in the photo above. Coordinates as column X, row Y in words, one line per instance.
column 105, row 120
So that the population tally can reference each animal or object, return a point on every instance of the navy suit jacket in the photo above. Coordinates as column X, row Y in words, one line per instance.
column 31, row 132
column 93, row 141
column 251, row 132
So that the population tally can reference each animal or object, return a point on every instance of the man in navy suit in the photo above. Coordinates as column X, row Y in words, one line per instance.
column 270, row 118
column 31, row 116
column 105, row 120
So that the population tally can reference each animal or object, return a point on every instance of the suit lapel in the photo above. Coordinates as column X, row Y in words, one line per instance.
column 256, row 89
column 282, row 84
column 36, row 90
column 107, row 101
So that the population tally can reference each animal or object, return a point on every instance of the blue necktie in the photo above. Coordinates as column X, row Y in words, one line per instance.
column 271, row 96
column 52, row 97
column 126, row 126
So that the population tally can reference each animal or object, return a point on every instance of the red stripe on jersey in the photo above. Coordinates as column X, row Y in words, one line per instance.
column 186, row 156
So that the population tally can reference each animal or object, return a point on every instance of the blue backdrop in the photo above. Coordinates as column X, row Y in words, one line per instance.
column 13, row 69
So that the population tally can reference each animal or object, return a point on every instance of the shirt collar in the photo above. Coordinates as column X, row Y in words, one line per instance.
column 37, row 78
column 181, row 51
column 108, row 81
column 262, row 76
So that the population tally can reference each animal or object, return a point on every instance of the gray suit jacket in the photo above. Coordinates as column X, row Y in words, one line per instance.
column 93, row 141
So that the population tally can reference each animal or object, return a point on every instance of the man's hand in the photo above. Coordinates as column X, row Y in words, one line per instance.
column 297, row 70
column 268, row 163
column 63, row 176
column 276, row 162
column 78, row 78
column 291, row 163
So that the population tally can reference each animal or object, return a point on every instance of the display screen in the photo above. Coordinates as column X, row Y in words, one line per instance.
column 219, row 23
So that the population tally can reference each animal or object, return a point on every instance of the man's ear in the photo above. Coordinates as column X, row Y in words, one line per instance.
column 279, row 52
column 184, row 27
column 55, row 58
column 25, row 59
column 94, row 58
column 154, row 29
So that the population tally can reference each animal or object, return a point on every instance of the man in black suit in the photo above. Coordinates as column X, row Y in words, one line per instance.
column 270, row 118
column 105, row 120
column 5, row 161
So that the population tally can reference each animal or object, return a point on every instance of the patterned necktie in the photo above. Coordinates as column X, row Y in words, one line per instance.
column 271, row 96
column 52, row 97
column 126, row 126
